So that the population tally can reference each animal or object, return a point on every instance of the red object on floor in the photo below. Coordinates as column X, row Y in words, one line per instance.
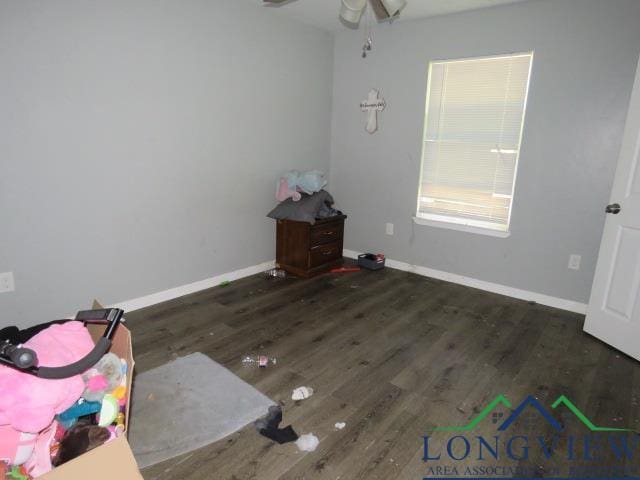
column 345, row 269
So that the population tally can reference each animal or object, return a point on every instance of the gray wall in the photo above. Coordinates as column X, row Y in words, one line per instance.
column 586, row 53
column 140, row 143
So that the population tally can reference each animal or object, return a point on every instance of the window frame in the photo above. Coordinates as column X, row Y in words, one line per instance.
column 458, row 223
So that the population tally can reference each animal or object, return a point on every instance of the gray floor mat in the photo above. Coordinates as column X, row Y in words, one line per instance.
column 186, row 404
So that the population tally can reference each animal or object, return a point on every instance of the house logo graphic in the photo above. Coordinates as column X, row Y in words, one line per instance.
column 571, row 444
column 531, row 401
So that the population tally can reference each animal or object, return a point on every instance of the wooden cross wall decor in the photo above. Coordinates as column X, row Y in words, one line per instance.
column 372, row 105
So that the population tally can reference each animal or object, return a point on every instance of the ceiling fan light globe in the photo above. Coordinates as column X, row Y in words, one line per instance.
column 394, row 6
column 351, row 10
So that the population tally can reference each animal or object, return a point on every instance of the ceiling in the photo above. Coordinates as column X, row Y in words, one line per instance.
column 324, row 13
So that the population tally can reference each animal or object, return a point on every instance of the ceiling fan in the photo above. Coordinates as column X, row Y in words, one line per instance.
column 351, row 10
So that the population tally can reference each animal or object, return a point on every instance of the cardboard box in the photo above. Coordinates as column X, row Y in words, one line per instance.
column 113, row 460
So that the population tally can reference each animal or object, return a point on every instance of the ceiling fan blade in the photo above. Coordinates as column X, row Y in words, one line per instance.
column 379, row 10
column 385, row 9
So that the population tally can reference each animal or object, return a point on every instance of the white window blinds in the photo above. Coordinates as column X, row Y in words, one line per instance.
column 473, row 126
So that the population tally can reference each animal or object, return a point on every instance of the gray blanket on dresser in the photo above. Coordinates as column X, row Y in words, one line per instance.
column 307, row 209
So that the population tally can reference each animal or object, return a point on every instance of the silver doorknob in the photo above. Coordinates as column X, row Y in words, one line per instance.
column 613, row 208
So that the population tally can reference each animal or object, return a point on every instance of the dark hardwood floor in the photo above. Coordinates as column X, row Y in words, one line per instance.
column 393, row 355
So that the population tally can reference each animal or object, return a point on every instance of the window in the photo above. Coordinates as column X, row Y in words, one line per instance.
column 473, row 127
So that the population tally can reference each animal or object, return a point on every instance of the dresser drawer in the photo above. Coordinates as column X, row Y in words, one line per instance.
column 325, row 253
column 306, row 250
column 327, row 233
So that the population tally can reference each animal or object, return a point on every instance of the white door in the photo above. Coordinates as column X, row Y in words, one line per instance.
column 614, row 308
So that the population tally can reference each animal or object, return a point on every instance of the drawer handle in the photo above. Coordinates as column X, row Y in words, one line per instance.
column 328, row 253
column 329, row 233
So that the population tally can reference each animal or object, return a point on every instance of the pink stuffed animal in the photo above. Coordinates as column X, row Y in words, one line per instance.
column 29, row 403
column 284, row 192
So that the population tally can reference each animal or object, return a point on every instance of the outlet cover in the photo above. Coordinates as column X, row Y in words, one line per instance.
column 6, row 282
column 574, row 262
column 389, row 228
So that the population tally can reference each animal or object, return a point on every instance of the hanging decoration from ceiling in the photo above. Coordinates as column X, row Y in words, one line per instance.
column 368, row 45
column 372, row 105
column 368, row 39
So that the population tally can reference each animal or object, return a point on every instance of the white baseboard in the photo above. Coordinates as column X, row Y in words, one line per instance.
column 541, row 298
column 170, row 294
column 159, row 297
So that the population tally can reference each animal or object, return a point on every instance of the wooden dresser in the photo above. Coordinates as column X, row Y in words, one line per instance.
column 306, row 250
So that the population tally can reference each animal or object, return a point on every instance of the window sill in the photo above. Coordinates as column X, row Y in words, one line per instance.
column 461, row 227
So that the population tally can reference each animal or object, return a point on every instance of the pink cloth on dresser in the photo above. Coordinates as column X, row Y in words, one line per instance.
column 283, row 192
column 29, row 403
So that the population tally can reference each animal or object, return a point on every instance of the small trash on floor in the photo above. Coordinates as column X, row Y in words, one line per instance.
column 301, row 393
column 261, row 360
column 268, row 426
column 345, row 269
column 340, row 425
column 307, row 442
column 225, row 283
column 276, row 273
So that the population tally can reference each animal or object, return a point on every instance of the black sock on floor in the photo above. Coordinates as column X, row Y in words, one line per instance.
column 268, row 427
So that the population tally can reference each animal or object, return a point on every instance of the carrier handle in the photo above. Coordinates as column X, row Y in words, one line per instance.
column 76, row 368
column 113, row 317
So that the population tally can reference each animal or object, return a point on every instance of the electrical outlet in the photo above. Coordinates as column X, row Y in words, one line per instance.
column 389, row 228
column 574, row 262
column 6, row 282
